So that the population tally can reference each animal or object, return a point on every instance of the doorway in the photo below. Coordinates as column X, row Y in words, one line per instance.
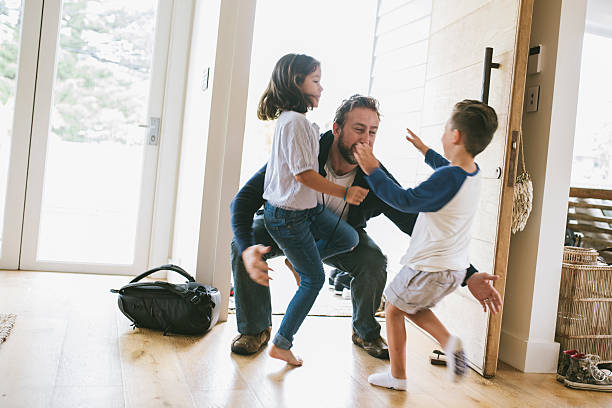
column 82, row 96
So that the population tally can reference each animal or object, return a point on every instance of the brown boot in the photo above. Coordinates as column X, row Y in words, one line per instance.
column 376, row 348
column 250, row 343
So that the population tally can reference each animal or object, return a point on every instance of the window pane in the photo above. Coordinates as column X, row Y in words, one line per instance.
column 592, row 165
column 95, row 146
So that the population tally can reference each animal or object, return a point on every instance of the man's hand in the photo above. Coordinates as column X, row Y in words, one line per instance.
column 365, row 158
column 481, row 288
column 257, row 268
column 355, row 195
column 417, row 142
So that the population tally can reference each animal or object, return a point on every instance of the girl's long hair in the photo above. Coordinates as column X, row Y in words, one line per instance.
column 283, row 92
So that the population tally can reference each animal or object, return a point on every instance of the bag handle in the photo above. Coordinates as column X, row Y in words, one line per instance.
column 168, row 267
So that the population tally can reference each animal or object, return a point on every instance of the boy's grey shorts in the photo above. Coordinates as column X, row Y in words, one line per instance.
column 412, row 290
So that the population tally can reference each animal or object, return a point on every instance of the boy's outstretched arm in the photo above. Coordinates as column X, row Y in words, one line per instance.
column 431, row 195
column 416, row 142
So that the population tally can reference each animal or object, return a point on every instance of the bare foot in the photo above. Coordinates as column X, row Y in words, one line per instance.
column 295, row 274
column 285, row 355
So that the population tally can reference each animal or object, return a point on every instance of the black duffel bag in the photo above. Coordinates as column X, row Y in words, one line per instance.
column 189, row 308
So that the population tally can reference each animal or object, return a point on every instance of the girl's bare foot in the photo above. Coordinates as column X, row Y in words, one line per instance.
column 285, row 355
column 295, row 274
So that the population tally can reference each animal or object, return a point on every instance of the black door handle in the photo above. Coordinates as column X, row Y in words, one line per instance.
column 486, row 74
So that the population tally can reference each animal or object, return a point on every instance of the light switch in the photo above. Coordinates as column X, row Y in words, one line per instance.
column 533, row 97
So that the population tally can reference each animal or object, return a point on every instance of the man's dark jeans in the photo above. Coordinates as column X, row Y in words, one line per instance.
column 366, row 263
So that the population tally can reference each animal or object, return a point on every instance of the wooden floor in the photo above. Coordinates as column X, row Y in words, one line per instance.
column 70, row 347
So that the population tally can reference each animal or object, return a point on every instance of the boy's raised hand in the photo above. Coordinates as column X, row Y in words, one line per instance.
column 355, row 195
column 416, row 141
column 365, row 158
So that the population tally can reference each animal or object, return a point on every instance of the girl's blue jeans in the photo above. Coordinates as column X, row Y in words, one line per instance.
column 305, row 236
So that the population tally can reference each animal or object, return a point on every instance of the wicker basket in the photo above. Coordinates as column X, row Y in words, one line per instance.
column 584, row 317
column 580, row 256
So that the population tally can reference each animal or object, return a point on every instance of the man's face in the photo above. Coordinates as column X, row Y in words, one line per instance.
column 360, row 126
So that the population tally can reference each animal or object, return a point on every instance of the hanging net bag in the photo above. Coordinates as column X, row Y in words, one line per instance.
column 523, row 197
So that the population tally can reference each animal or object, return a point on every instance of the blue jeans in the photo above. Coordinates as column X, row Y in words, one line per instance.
column 366, row 264
column 305, row 236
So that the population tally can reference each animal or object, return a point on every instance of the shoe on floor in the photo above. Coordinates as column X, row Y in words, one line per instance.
column 247, row 344
column 342, row 281
column 563, row 364
column 387, row 380
column 332, row 276
column 583, row 374
column 455, row 359
column 437, row 357
column 376, row 348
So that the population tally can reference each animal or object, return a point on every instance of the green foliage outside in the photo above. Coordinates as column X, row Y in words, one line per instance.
column 102, row 69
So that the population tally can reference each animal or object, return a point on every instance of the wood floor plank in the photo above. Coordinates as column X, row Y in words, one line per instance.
column 152, row 376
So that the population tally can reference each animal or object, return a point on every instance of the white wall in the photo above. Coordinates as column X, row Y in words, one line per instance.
column 534, row 267
column 212, row 140
column 195, row 135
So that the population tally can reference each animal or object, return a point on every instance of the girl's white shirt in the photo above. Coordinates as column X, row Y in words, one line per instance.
column 295, row 149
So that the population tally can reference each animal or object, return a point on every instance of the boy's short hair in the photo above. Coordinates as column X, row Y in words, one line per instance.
column 355, row 101
column 477, row 122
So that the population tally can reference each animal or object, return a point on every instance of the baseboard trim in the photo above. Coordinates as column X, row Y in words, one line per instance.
column 528, row 356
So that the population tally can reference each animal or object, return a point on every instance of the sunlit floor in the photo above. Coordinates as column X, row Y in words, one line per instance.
column 71, row 347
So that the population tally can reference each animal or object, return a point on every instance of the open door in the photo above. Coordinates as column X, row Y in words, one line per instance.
column 428, row 55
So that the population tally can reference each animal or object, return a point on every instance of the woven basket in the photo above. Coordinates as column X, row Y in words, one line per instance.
column 580, row 256
column 584, row 317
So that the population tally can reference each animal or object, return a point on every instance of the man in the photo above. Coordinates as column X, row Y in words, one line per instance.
column 356, row 121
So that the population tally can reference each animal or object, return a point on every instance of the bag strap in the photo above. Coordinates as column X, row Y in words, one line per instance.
column 168, row 267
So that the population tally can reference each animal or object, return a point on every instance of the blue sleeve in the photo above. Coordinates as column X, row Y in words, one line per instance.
column 429, row 196
column 243, row 208
column 435, row 160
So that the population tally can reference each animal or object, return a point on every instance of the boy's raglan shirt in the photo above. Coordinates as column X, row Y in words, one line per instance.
column 446, row 201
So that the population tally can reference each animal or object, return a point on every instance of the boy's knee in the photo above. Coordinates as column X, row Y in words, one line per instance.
column 392, row 311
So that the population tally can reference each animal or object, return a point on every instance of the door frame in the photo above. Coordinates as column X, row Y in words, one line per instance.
column 20, row 139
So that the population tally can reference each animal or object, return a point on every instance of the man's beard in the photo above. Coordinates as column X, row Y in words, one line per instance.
column 346, row 151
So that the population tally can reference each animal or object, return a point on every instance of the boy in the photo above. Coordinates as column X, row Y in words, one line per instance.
column 436, row 261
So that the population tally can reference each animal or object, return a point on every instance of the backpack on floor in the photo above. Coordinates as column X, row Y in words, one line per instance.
column 188, row 308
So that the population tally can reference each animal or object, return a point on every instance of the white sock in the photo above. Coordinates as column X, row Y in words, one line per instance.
column 388, row 381
column 455, row 358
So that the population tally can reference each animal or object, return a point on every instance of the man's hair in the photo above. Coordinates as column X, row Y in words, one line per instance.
column 283, row 92
column 477, row 122
column 355, row 101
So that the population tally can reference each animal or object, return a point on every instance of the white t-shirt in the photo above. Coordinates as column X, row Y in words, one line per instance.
column 295, row 149
column 332, row 203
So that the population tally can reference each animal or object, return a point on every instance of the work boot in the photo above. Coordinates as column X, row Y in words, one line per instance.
column 250, row 343
column 376, row 348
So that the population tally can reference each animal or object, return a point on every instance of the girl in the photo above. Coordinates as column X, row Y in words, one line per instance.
column 303, row 229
